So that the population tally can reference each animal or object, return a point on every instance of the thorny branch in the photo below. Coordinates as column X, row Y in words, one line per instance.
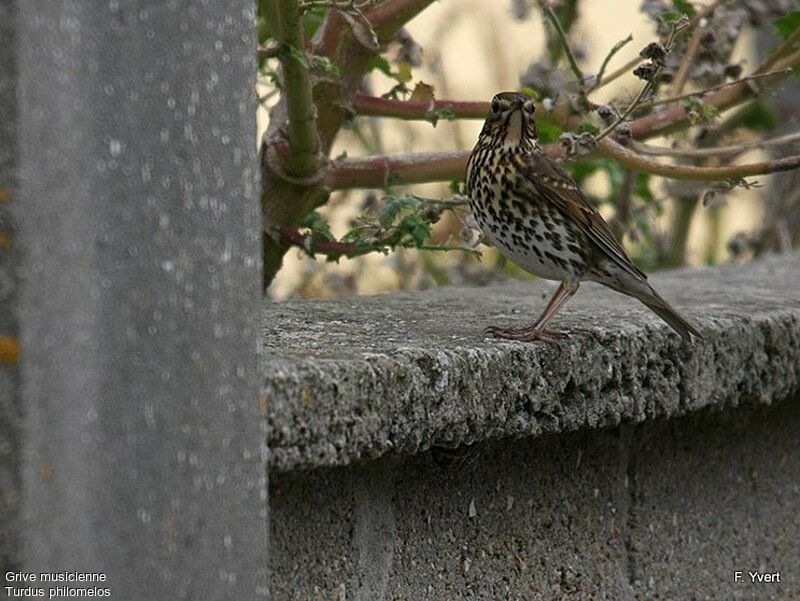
column 714, row 151
column 418, row 109
column 656, row 53
column 303, row 159
column 632, row 160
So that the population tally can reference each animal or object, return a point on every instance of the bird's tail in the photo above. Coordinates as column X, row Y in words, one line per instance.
column 664, row 310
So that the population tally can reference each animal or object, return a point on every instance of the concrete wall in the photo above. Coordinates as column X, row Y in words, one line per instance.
column 663, row 510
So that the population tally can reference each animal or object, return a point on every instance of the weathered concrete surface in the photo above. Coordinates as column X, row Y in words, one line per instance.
column 660, row 510
column 360, row 378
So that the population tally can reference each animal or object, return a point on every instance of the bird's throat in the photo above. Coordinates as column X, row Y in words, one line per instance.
column 513, row 130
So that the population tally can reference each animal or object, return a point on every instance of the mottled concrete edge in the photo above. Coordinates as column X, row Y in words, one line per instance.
column 329, row 409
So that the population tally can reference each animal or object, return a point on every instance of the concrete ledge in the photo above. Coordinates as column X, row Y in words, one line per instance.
column 352, row 379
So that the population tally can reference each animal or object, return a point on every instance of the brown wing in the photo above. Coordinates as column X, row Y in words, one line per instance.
column 557, row 186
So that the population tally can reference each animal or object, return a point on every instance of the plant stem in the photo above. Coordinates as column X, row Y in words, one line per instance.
column 622, row 216
column 681, row 220
column 303, row 159
column 647, row 87
column 551, row 16
column 619, row 72
column 616, row 48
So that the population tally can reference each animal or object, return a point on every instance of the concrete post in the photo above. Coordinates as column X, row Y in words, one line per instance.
column 139, row 223
column 10, row 427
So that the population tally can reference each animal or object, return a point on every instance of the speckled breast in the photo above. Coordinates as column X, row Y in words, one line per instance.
column 515, row 218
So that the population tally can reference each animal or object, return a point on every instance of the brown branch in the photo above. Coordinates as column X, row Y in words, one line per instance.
column 694, row 45
column 614, row 49
column 619, row 72
column 782, row 50
column 286, row 201
column 294, row 237
column 389, row 16
column 336, row 248
column 682, row 75
column 421, row 167
column 631, row 160
column 373, row 106
column 649, row 150
column 383, row 171
column 702, row 93
column 385, row 19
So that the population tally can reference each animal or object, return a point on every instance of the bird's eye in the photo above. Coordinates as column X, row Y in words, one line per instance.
column 530, row 107
column 495, row 107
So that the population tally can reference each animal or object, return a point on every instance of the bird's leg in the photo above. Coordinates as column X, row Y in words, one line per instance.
column 537, row 330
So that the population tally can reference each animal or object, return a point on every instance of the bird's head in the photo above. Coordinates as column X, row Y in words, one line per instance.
column 510, row 122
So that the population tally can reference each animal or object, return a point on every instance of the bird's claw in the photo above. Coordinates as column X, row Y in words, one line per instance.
column 529, row 334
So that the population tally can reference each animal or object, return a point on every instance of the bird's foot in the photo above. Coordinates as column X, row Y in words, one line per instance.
column 527, row 334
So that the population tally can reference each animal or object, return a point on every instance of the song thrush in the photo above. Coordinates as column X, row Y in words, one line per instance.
column 535, row 214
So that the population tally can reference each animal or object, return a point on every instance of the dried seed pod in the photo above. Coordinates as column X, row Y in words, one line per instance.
column 655, row 51
column 647, row 72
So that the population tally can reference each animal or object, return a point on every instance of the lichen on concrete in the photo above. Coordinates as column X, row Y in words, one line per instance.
column 396, row 373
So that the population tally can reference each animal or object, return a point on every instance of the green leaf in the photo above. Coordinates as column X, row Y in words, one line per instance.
column 457, row 187
column 318, row 226
column 586, row 127
column 415, row 227
column 286, row 51
column 312, row 19
column 379, row 63
column 670, row 15
column 390, row 212
column 548, row 131
column 699, row 112
column 446, row 114
column 757, row 116
column 531, row 92
column 322, row 64
column 685, row 7
column 581, row 170
column 642, row 189
column 787, row 24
